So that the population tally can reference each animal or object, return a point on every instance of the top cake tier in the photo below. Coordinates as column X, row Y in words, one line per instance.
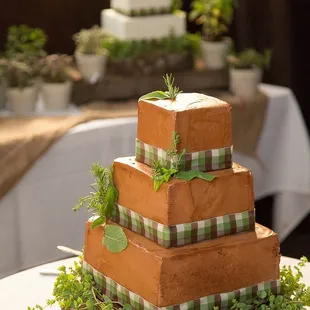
column 146, row 6
column 203, row 123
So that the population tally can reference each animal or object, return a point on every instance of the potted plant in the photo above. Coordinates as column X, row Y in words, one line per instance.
column 91, row 56
column 246, row 70
column 27, row 45
column 21, row 91
column 215, row 16
column 56, row 81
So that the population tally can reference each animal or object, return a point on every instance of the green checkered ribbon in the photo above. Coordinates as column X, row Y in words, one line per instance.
column 182, row 234
column 120, row 294
column 209, row 160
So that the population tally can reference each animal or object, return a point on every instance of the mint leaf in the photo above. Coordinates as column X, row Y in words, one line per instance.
column 192, row 174
column 127, row 307
column 90, row 304
column 98, row 222
column 155, row 95
column 115, row 239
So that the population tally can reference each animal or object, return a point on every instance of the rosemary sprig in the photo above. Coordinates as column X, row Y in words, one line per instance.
column 170, row 94
column 101, row 203
column 173, row 91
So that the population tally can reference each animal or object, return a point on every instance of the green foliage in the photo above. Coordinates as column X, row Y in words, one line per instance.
column 55, row 68
column 115, row 239
column 250, row 58
column 294, row 294
column 25, row 40
column 171, row 93
column 88, row 41
column 75, row 290
column 101, row 203
column 121, row 50
column 214, row 15
column 163, row 173
column 17, row 73
column 194, row 174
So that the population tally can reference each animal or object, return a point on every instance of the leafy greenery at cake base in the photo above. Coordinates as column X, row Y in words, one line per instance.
column 101, row 203
column 294, row 294
column 74, row 289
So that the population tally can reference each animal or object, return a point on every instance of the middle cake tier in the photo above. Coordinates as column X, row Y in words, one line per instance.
column 180, row 202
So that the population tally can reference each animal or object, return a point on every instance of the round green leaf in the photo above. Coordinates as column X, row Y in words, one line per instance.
column 115, row 239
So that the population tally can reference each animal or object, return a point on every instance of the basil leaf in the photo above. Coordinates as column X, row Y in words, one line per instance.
column 115, row 239
column 155, row 95
column 99, row 221
column 192, row 174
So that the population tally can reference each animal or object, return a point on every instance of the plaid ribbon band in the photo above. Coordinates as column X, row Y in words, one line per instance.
column 120, row 294
column 209, row 160
column 182, row 234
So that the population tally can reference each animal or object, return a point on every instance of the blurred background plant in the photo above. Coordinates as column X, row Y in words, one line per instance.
column 88, row 41
column 215, row 16
column 22, row 39
column 250, row 58
column 18, row 73
column 56, row 68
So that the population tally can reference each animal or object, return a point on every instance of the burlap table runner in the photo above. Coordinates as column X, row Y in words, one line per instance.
column 24, row 139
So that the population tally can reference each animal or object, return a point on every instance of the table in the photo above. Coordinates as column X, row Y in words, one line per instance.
column 37, row 215
column 34, row 288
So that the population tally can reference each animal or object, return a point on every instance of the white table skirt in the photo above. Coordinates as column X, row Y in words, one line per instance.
column 37, row 215
column 29, row 288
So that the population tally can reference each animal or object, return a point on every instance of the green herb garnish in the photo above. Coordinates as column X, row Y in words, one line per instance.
column 171, row 93
column 74, row 289
column 101, row 203
column 163, row 173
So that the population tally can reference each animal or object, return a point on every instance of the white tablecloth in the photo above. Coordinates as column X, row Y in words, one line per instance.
column 29, row 288
column 37, row 215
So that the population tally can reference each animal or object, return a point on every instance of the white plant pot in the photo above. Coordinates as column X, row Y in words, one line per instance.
column 244, row 82
column 215, row 54
column 56, row 96
column 92, row 67
column 22, row 101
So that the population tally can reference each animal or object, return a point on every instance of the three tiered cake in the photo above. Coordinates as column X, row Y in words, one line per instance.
column 142, row 20
column 194, row 243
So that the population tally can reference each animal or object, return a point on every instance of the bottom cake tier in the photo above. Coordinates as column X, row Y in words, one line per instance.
column 160, row 277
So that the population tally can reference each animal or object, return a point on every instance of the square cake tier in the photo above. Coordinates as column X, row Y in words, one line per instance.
column 143, row 27
column 202, row 122
column 167, row 277
column 179, row 201
column 138, row 5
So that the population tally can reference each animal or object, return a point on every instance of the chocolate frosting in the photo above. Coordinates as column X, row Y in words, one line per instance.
column 204, row 127
column 172, row 276
column 179, row 201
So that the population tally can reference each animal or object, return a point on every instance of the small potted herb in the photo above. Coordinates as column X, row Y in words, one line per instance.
column 246, row 70
column 56, row 81
column 91, row 56
column 215, row 16
column 21, row 91
column 27, row 45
